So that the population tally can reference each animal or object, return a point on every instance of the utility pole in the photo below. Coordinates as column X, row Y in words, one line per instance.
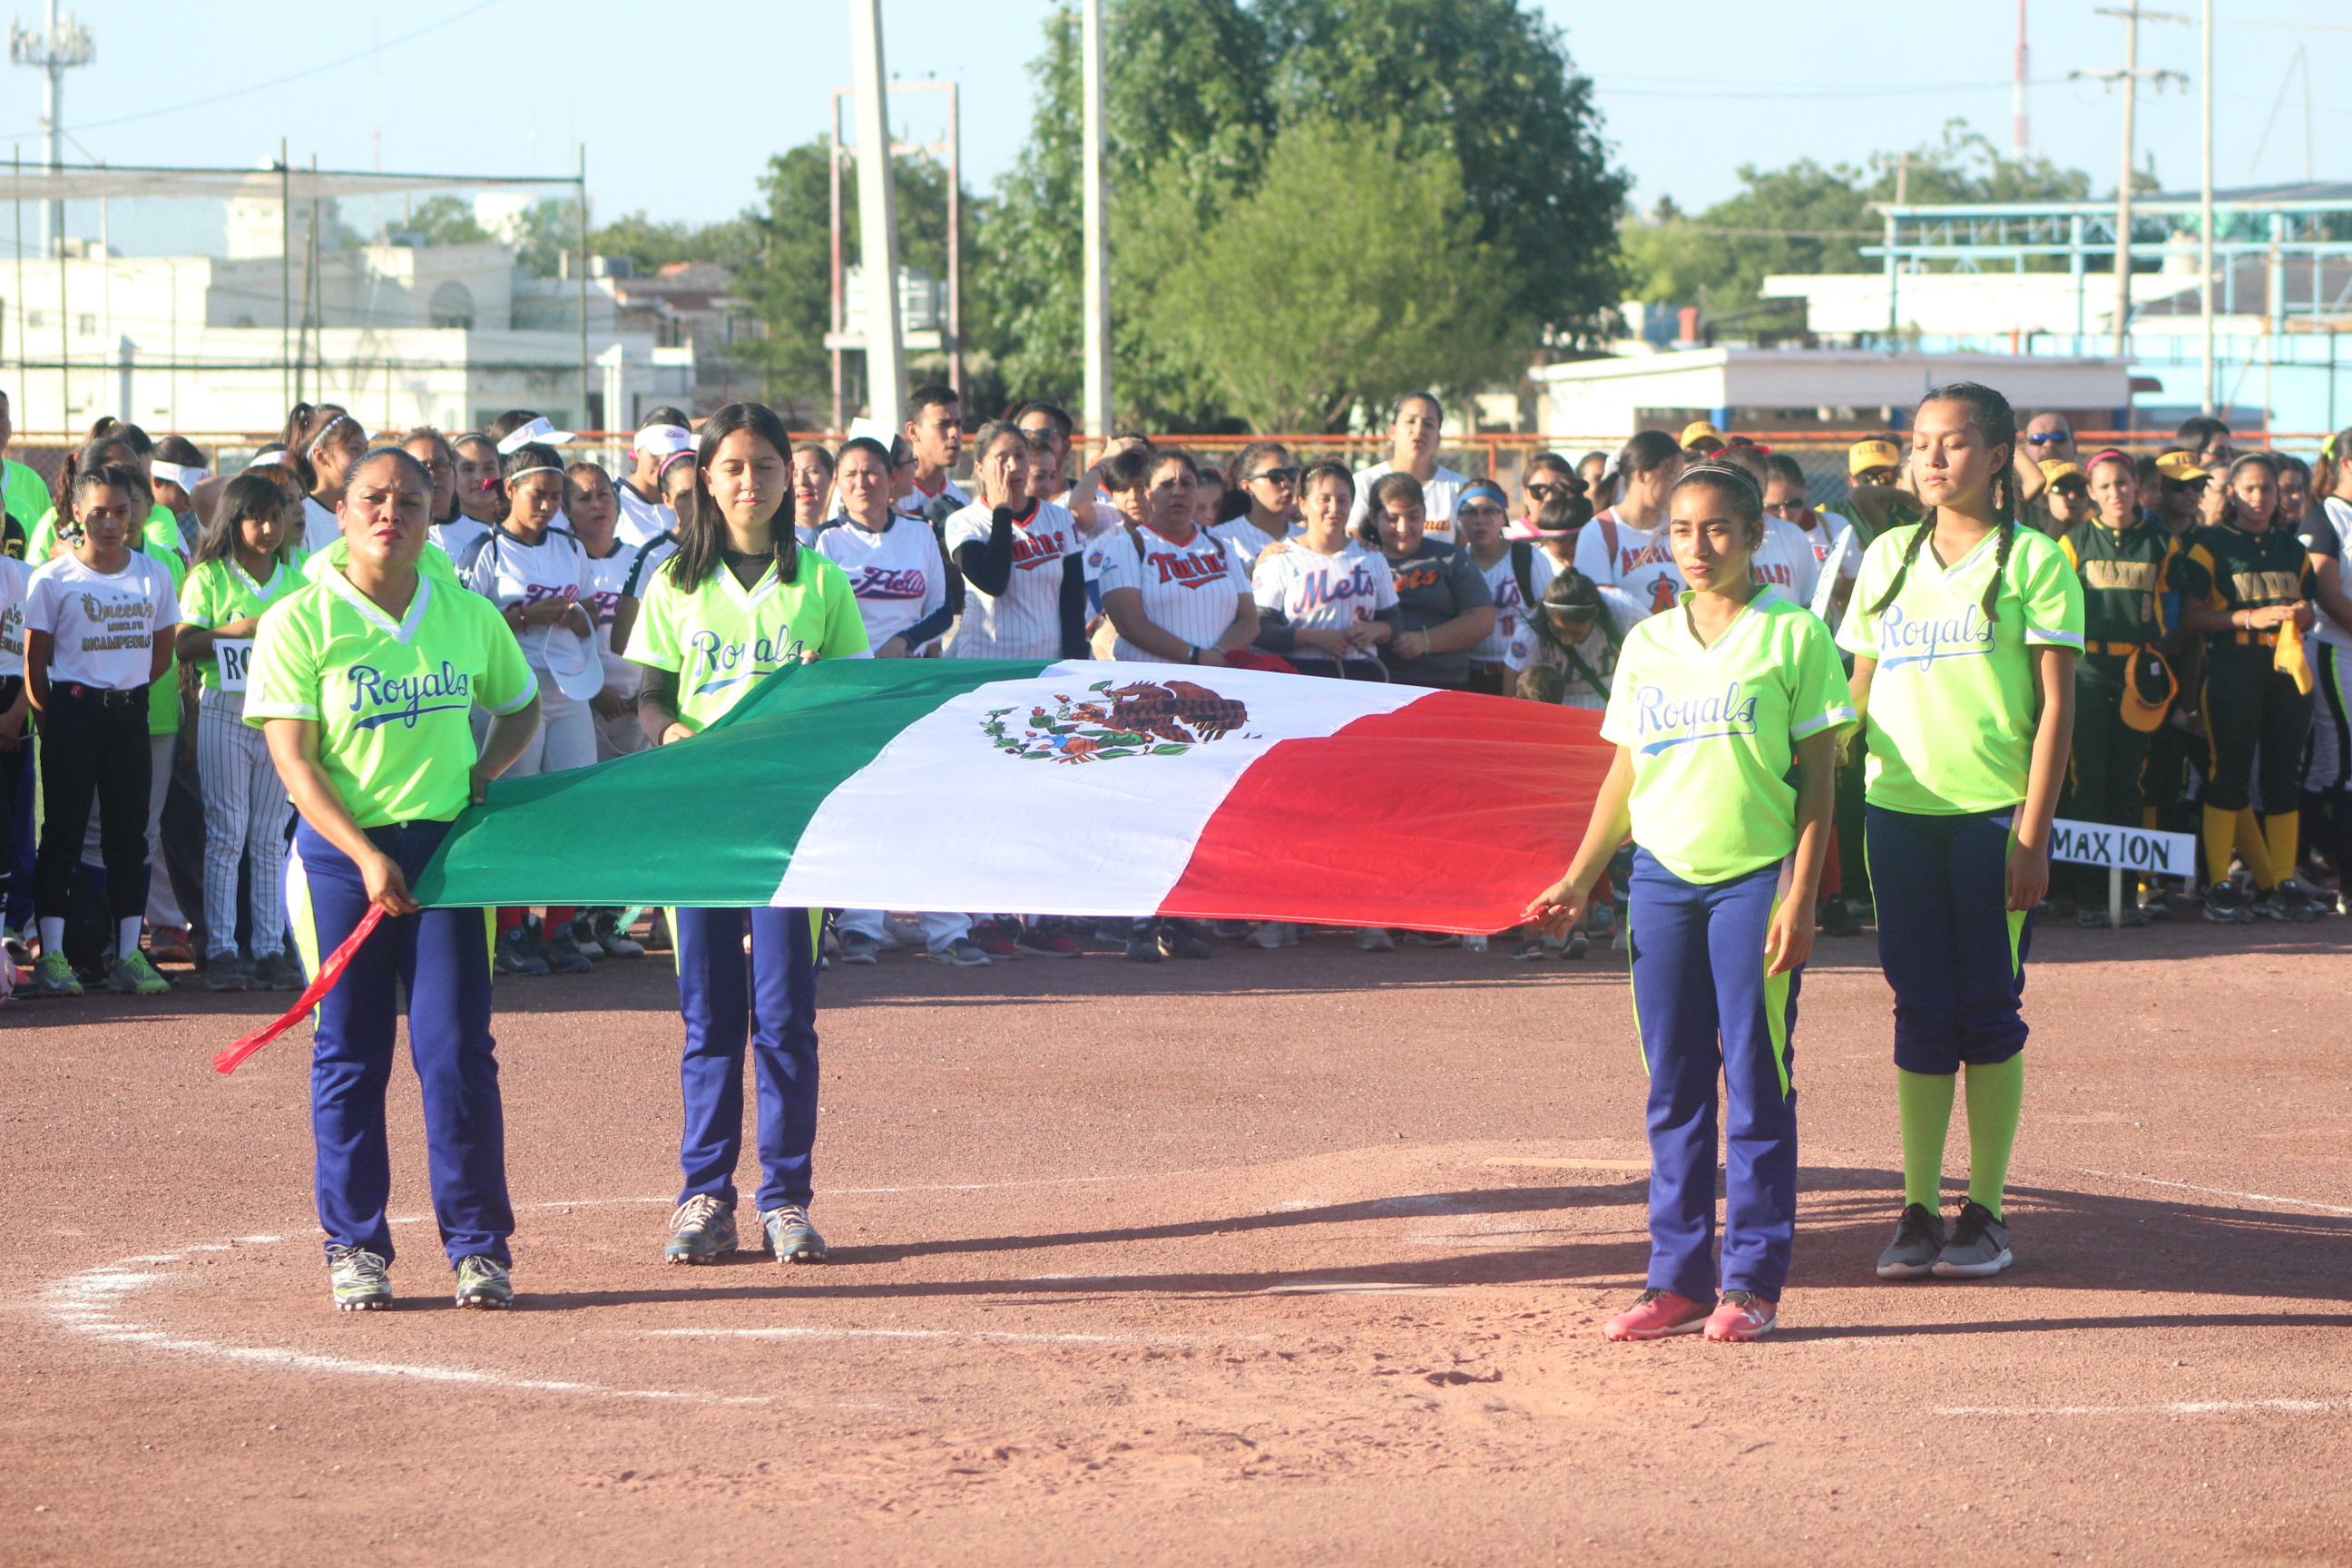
column 56, row 49
column 2205, row 197
column 2132, row 17
column 2020, row 141
column 1097, row 262
column 877, row 216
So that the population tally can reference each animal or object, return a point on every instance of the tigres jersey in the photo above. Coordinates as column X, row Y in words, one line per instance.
column 2125, row 573
column 2228, row 569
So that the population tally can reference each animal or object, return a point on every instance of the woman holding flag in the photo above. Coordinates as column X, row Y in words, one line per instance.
column 739, row 600
column 360, row 682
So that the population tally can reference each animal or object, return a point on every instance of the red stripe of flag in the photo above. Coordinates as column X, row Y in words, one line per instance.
column 324, row 982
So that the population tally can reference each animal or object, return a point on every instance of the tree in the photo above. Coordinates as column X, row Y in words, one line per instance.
column 448, row 220
column 1293, row 324
column 651, row 246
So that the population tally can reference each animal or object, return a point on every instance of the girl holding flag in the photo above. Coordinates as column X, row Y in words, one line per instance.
column 1964, row 630
column 362, row 680
column 739, row 600
column 1724, row 710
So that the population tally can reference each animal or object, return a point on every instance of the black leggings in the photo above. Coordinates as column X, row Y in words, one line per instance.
column 93, row 748
column 2252, row 708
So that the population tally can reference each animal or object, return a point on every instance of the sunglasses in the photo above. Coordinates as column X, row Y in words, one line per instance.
column 2049, row 439
column 2180, row 487
column 1545, row 493
column 1275, row 476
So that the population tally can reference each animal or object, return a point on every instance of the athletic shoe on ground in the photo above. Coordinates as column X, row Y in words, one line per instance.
column 791, row 1238
column 18, row 946
column 1271, row 934
column 516, row 955
column 1659, row 1314
column 133, row 975
column 1578, row 945
column 2289, row 902
column 1741, row 1316
column 996, row 939
column 581, row 934
column 483, row 1282
column 1373, row 939
column 228, row 972
column 1143, row 949
column 1919, row 1242
column 358, row 1279
column 1978, row 1248
column 170, row 944
column 1836, row 919
column 1180, row 941
column 562, row 954
column 2134, row 916
column 856, row 947
column 1114, row 930
column 1037, row 942
column 2156, row 905
column 1432, row 938
column 617, row 942
column 2225, row 906
column 901, row 930
column 1530, row 950
column 2093, row 919
column 280, row 971
column 1474, row 944
column 964, row 953
column 52, row 975
column 701, row 1231
column 1231, row 931
column 658, row 938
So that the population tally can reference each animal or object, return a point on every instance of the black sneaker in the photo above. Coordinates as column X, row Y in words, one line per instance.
column 1978, row 1248
column 1918, row 1243
column 2289, row 902
column 562, row 954
column 1143, row 949
column 516, row 955
column 1180, row 941
column 2225, row 906
column 856, row 947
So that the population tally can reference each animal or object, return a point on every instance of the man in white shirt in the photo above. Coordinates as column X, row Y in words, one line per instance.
column 1414, row 426
column 934, row 432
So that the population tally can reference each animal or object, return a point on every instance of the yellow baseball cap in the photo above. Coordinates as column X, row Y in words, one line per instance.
column 2149, row 690
column 2181, row 468
column 1874, row 452
column 2056, row 469
column 1700, row 430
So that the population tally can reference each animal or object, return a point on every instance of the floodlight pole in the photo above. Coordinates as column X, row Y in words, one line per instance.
column 2132, row 17
column 584, row 291
column 57, row 49
column 285, row 277
column 2205, row 197
column 877, row 216
column 1097, row 307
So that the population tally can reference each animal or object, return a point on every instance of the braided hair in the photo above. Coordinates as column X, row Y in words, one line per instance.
column 1991, row 417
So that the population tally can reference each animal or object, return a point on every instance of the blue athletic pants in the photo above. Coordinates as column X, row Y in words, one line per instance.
column 1947, row 938
column 769, row 998
column 441, row 959
column 1705, row 1007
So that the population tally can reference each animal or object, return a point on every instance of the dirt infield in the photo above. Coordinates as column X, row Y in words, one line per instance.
column 1290, row 1257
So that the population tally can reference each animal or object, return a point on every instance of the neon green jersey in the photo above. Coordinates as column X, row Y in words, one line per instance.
column 1714, row 731
column 721, row 638
column 390, row 698
column 1951, row 704
column 164, row 696
column 26, row 494
column 433, row 562
column 218, row 591
column 162, row 535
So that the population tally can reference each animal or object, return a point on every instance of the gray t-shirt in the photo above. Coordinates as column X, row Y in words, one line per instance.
column 1433, row 584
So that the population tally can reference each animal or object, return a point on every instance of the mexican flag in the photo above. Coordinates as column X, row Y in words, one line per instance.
column 1074, row 788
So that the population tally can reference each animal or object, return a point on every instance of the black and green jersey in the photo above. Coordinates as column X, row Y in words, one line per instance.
column 2228, row 569
column 2125, row 573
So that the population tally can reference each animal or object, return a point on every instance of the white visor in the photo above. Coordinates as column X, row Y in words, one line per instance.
column 661, row 440
column 540, row 429
column 180, row 474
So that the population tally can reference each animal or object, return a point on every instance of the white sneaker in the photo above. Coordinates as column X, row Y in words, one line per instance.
column 1273, row 934
column 1374, row 939
column 1474, row 944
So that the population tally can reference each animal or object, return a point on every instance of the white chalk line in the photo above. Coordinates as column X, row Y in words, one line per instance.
column 991, row 1336
column 2180, row 1408
column 2215, row 1192
column 943, row 1187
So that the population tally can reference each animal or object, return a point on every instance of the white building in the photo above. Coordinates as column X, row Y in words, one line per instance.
column 402, row 335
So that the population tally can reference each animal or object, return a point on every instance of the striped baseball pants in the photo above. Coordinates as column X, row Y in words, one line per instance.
column 246, row 813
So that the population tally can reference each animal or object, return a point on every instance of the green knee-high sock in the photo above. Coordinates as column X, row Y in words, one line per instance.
column 1924, row 1103
column 1996, row 1099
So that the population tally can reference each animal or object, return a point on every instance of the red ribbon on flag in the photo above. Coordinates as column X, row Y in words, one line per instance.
column 324, row 982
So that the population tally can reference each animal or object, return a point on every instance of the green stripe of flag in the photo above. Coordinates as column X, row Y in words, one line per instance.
column 709, row 822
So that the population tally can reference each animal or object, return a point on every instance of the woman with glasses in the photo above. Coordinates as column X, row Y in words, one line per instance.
column 1517, row 574
column 1548, row 475
column 1262, row 504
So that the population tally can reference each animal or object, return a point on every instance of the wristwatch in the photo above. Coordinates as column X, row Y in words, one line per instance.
column 1195, row 657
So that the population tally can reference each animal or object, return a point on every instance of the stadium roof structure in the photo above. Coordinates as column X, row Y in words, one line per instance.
column 91, row 183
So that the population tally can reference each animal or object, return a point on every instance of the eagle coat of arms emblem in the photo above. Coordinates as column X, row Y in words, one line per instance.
column 1147, row 719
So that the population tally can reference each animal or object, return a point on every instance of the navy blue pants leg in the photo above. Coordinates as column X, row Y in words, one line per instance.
column 1705, row 1009
column 766, row 1001
column 1948, row 943
column 441, row 959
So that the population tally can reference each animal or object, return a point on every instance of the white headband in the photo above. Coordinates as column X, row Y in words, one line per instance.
column 543, row 468
column 183, row 475
column 266, row 458
column 540, row 429
column 312, row 444
column 661, row 440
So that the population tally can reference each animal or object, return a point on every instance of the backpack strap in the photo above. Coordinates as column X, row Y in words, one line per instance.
column 1608, row 521
column 1523, row 567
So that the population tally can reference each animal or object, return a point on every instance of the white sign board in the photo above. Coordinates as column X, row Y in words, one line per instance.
column 236, row 656
column 2123, row 848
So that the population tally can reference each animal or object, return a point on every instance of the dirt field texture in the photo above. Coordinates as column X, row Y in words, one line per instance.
column 1296, row 1257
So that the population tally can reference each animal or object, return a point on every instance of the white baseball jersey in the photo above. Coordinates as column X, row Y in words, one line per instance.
column 916, row 500
column 16, row 585
column 1325, row 592
column 1787, row 561
column 319, row 529
column 506, row 571
column 1508, row 643
column 1840, row 562
column 1190, row 590
column 1643, row 564
column 1026, row 620
column 609, row 577
column 896, row 574
column 2331, row 513
column 641, row 520
column 1437, row 496
column 1247, row 539
column 104, row 625
column 457, row 535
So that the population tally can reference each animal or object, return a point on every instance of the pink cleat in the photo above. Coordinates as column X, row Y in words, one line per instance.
column 1742, row 1317
column 1658, row 1315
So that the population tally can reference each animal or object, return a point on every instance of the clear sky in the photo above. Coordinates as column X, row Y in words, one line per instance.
column 678, row 117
